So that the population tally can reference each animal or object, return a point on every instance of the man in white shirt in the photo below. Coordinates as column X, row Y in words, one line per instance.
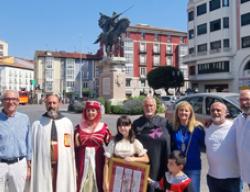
column 220, row 140
column 242, row 126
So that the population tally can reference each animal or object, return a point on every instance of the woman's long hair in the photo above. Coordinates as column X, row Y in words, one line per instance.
column 192, row 123
column 124, row 120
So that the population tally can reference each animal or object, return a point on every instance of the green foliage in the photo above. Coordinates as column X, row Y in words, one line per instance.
column 160, row 107
column 117, row 109
column 101, row 100
column 165, row 77
column 108, row 107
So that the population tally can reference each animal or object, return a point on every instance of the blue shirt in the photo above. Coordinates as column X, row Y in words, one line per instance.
column 194, row 151
column 15, row 136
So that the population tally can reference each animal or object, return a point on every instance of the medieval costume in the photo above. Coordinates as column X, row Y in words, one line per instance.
column 90, row 152
column 153, row 134
column 53, row 164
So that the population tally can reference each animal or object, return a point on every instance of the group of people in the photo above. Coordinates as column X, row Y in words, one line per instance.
column 52, row 155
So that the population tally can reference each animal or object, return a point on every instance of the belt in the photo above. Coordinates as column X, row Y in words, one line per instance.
column 11, row 161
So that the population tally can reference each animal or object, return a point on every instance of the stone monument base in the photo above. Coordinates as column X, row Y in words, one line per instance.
column 112, row 79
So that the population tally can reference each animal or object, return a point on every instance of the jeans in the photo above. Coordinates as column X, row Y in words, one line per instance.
column 195, row 176
column 225, row 185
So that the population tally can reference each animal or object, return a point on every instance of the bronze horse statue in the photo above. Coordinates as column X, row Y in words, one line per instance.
column 112, row 30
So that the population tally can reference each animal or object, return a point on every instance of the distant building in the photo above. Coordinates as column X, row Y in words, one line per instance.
column 16, row 73
column 219, row 44
column 147, row 47
column 65, row 72
column 3, row 49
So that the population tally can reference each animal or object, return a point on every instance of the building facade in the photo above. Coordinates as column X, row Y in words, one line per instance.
column 145, row 48
column 3, row 49
column 218, row 44
column 66, row 73
column 16, row 74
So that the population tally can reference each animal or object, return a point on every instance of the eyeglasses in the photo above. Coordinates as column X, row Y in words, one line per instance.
column 9, row 99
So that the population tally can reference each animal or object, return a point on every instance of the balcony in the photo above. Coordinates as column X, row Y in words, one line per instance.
column 213, row 51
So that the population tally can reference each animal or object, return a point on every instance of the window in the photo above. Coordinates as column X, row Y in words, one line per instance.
column 169, row 48
column 226, row 43
column 128, row 82
column 191, row 70
column 142, row 59
column 245, row 19
column 191, row 16
column 201, row 9
column 128, row 57
column 156, row 60
column 181, row 39
column 215, row 25
column 169, row 60
column 202, row 29
column 143, row 36
column 215, row 67
column 202, row 48
column 143, row 71
column 156, row 48
column 143, row 47
column 225, row 3
column 245, row 42
column 191, row 50
column 244, row 1
column 215, row 45
column 191, row 34
column 214, row 4
column 196, row 103
column 48, row 86
column 129, row 70
column 225, row 22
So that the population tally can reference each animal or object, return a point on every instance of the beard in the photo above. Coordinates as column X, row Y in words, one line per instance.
column 246, row 109
column 218, row 120
column 53, row 113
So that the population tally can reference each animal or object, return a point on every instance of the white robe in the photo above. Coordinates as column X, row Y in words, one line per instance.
column 41, row 178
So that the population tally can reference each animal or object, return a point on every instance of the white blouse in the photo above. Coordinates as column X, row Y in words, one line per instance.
column 124, row 148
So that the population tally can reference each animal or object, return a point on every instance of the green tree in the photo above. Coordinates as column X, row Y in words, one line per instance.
column 165, row 77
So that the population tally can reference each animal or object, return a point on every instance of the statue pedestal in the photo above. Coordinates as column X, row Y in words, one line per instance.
column 112, row 79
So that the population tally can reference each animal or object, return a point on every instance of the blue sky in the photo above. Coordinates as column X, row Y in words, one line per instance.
column 72, row 25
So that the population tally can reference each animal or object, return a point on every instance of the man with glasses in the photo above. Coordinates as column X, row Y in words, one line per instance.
column 15, row 145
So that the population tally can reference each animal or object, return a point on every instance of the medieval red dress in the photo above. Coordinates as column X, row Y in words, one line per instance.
column 90, row 156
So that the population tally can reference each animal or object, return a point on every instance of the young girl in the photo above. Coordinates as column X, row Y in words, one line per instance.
column 124, row 145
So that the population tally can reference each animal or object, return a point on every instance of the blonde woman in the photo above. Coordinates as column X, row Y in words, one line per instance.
column 188, row 137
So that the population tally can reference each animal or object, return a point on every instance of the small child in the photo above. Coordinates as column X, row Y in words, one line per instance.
column 175, row 180
column 124, row 145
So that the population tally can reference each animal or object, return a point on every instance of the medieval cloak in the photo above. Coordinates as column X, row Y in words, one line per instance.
column 41, row 178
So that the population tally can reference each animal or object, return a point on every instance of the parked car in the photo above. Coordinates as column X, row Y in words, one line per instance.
column 201, row 104
column 76, row 106
column 168, row 100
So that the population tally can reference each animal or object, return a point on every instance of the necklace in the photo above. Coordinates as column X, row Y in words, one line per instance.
column 183, row 145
